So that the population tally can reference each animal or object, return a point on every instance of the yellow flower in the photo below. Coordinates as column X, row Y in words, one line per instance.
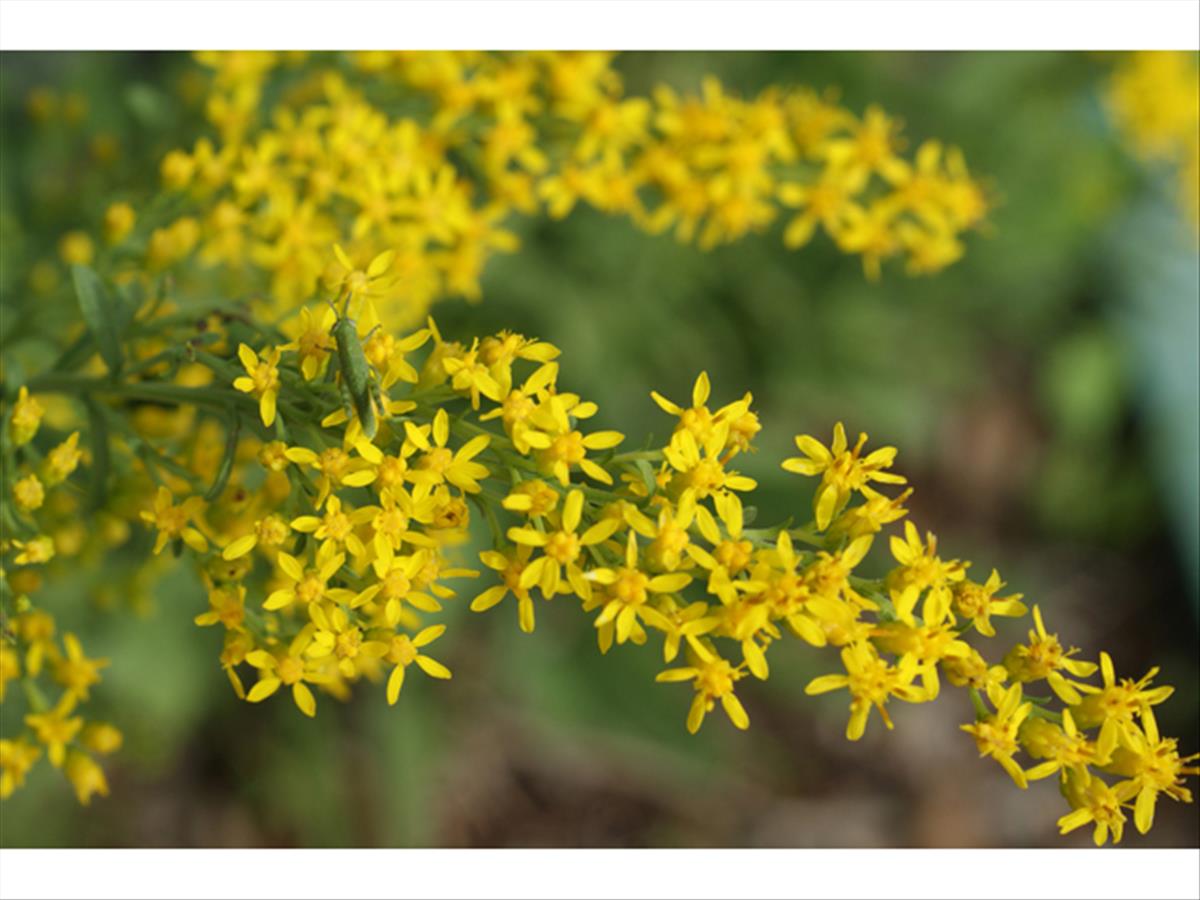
column 558, row 454
column 35, row 551
column 306, row 586
column 870, row 516
column 996, row 734
column 101, row 737
column 972, row 670
column 1044, row 658
column 557, row 567
column 27, row 415
column 291, row 668
column 269, row 532
column 177, row 169
column 227, row 605
column 509, row 565
column 29, row 493
column 668, row 535
column 700, row 468
column 929, row 249
column 928, row 645
column 1152, row 766
column 472, row 376
column 871, row 681
column 36, row 629
column 1114, row 706
column 75, row 671
column 387, row 355
column 824, row 202
column 335, row 528
column 730, row 555
column 172, row 244
column 338, row 468
column 1065, row 749
column 922, row 570
column 629, row 588
column 533, row 498
column 313, row 342
column 17, row 757
column 1096, row 803
column 842, row 470
column 76, row 248
column 172, row 520
column 872, row 233
column 86, row 777
column 871, row 146
column 358, row 283
column 119, row 220
column 677, row 623
column 978, row 602
column 338, row 637
column 438, row 463
column 261, row 379
column 10, row 667
column 61, row 461
column 55, row 729
column 404, row 651
column 712, row 679
column 519, row 409
column 398, row 583
column 697, row 419
column 501, row 350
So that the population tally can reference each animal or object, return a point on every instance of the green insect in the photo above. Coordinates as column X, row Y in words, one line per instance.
column 359, row 382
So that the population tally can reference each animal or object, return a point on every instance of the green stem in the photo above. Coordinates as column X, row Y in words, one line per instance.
column 635, row 455
column 158, row 392
column 981, row 710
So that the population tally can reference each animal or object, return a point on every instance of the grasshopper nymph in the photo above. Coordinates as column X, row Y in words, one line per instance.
column 359, row 381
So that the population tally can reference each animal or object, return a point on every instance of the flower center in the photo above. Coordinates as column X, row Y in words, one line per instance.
column 563, row 547
column 630, row 587
column 290, row 670
column 437, row 460
column 310, row 589
column 402, row 651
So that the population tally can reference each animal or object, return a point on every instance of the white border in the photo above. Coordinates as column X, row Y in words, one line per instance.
column 533, row 874
column 600, row 24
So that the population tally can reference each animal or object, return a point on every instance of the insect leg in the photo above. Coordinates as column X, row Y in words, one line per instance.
column 347, row 399
column 378, row 398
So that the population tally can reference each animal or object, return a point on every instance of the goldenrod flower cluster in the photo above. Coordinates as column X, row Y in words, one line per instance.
column 433, row 155
column 1154, row 97
column 321, row 484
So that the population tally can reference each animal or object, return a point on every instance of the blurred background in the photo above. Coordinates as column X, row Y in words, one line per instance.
column 1043, row 393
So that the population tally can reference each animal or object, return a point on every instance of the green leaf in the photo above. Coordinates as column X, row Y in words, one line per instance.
column 231, row 445
column 647, row 473
column 98, row 432
column 103, row 316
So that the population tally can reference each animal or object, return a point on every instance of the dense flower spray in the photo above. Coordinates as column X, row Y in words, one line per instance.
column 432, row 156
column 328, row 554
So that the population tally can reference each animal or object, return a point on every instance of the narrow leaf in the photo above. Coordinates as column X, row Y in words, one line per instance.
column 231, row 445
column 101, row 315
column 98, row 434
column 647, row 473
